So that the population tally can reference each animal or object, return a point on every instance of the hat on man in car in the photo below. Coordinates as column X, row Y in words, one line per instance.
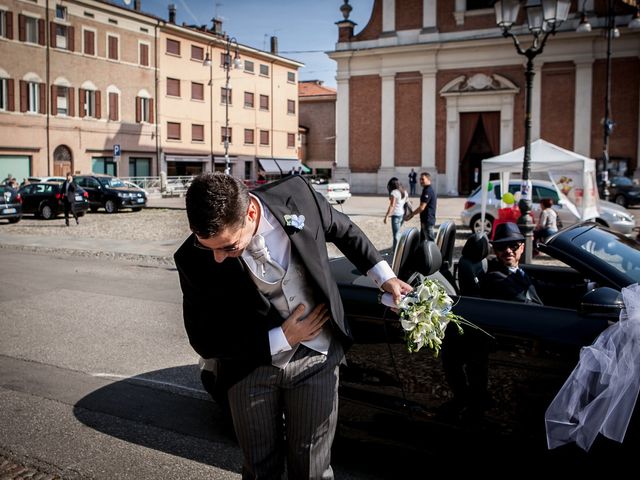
column 507, row 232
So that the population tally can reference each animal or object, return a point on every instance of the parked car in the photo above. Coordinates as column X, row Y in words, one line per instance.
column 335, row 191
column 46, row 179
column 624, row 192
column 45, row 200
column 110, row 193
column 611, row 215
column 10, row 204
column 394, row 397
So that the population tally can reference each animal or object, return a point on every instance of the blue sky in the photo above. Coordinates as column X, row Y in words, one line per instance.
column 305, row 28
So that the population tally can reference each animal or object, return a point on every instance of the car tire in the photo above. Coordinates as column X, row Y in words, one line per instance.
column 621, row 200
column 14, row 220
column 110, row 206
column 46, row 212
column 476, row 225
column 80, row 214
column 137, row 209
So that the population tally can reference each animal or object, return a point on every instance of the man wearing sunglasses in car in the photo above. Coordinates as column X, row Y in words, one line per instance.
column 505, row 280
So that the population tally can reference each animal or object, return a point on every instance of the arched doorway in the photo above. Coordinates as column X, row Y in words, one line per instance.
column 62, row 161
column 479, row 139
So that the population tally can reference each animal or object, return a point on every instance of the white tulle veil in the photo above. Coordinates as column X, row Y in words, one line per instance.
column 600, row 394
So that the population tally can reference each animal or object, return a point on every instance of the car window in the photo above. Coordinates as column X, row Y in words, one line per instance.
column 543, row 192
column 91, row 183
column 622, row 181
column 113, row 182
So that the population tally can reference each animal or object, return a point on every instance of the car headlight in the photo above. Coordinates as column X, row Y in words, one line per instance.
column 121, row 195
column 634, row 193
column 620, row 216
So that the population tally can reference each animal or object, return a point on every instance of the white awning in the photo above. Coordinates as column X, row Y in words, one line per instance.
column 286, row 164
column 269, row 165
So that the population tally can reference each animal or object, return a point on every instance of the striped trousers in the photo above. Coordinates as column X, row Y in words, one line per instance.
column 290, row 414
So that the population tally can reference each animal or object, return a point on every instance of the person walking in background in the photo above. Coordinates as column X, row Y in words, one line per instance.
column 398, row 196
column 258, row 301
column 413, row 180
column 547, row 223
column 68, row 190
column 427, row 208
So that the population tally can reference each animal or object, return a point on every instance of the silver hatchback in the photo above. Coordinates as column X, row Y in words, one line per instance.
column 612, row 216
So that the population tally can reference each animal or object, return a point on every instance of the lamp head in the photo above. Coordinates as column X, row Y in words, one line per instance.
column 506, row 13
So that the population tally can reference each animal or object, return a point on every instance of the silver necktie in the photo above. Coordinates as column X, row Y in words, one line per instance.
column 267, row 268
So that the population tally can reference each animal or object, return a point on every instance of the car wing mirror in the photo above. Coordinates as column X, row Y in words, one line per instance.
column 603, row 302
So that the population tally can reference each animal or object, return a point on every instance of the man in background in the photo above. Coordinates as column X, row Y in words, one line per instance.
column 427, row 208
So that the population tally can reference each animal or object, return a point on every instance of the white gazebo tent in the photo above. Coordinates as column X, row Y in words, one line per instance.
column 572, row 174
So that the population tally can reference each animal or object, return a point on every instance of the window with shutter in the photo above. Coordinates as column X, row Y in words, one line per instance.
column 249, row 136
column 225, row 134
column 291, row 106
column 144, row 54
column 173, row 46
column 3, row 94
column 112, row 47
column 264, row 102
column 113, row 106
column 291, row 140
column 225, row 96
column 173, row 131
column 264, row 137
column 197, row 91
column 248, row 99
column 197, row 53
column 173, row 87
column 197, row 133
column 89, row 42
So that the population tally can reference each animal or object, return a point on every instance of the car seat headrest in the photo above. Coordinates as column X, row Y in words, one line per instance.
column 476, row 247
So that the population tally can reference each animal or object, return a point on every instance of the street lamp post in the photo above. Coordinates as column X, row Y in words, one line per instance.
column 543, row 19
column 230, row 43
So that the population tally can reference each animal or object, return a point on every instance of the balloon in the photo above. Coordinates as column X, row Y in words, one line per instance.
column 508, row 198
column 489, row 186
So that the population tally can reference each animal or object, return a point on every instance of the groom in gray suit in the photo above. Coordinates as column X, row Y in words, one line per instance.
column 258, row 296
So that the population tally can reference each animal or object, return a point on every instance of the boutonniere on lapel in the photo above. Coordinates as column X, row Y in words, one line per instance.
column 295, row 222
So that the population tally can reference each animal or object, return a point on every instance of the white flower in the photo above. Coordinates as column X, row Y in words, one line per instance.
column 425, row 314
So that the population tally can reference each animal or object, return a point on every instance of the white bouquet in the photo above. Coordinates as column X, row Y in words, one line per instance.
column 424, row 315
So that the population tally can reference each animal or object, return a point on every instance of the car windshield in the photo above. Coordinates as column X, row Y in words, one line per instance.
column 619, row 252
column 113, row 182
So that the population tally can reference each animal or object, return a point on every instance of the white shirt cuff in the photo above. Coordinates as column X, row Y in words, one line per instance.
column 380, row 273
column 277, row 341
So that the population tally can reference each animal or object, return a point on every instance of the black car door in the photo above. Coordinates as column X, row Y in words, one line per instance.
column 506, row 381
column 27, row 199
column 92, row 187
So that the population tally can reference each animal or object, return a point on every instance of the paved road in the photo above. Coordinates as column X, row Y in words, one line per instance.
column 97, row 379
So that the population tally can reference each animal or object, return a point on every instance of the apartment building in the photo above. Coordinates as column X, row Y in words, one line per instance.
column 77, row 88
column 318, row 125
column 220, row 99
column 433, row 85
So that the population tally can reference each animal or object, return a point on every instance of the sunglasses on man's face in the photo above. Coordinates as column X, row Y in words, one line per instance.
column 501, row 247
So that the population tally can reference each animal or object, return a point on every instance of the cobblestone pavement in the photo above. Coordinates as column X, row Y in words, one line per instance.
column 10, row 470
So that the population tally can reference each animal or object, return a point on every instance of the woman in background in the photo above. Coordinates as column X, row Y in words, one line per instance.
column 548, row 222
column 398, row 196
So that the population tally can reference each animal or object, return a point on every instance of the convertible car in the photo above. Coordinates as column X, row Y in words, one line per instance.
column 482, row 394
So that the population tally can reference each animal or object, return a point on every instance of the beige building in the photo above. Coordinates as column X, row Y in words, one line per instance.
column 77, row 78
column 318, row 126
column 258, row 104
column 433, row 85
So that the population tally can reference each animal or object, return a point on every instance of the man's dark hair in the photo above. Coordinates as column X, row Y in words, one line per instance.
column 426, row 174
column 215, row 201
